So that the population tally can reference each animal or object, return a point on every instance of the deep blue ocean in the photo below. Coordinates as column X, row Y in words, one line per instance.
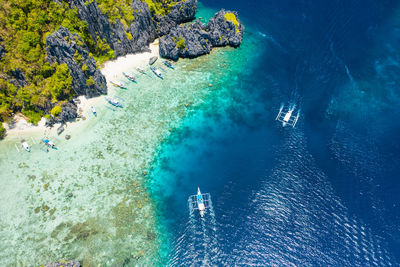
column 325, row 193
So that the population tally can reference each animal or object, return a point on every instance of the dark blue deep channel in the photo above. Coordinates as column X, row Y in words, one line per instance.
column 325, row 193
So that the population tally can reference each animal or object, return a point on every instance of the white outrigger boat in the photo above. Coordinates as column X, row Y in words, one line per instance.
column 199, row 202
column 157, row 72
column 118, row 84
column 130, row 77
column 286, row 116
column 25, row 145
column 114, row 101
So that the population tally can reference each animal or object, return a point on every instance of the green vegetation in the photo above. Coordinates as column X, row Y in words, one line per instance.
column 161, row 7
column 232, row 18
column 56, row 110
column 90, row 81
column 180, row 43
column 117, row 9
column 129, row 35
column 24, row 28
column 2, row 131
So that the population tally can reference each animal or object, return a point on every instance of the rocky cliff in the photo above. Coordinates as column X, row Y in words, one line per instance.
column 64, row 47
column 145, row 27
column 198, row 39
column 69, row 113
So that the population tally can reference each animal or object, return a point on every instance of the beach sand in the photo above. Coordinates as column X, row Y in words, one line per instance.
column 111, row 70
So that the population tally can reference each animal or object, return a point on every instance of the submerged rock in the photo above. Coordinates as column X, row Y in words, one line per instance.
column 64, row 47
column 198, row 39
column 72, row 263
column 60, row 129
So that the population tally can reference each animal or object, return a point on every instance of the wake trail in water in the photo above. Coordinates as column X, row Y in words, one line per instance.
column 273, row 41
column 297, row 219
column 198, row 245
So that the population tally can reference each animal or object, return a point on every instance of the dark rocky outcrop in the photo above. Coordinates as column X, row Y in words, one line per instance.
column 69, row 113
column 115, row 34
column 72, row 263
column 17, row 77
column 2, row 51
column 144, row 29
column 197, row 39
column 64, row 47
column 181, row 12
column 223, row 32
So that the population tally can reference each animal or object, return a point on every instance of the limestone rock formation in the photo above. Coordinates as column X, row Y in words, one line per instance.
column 142, row 28
column 99, row 27
column 64, row 47
column 2, row 50
column 181, row 12
column 17, row 77
column 69, row 112
column 197, row 39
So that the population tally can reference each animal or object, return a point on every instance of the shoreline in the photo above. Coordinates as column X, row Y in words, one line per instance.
column 111, row 69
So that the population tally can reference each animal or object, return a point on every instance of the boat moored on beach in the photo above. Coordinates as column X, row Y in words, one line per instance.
column 199, row 202
column 49, row 143
column 157, row 72
column 113, row 101
column 130, row 77
column 25, row 145
column 141, row 70
column 118, row 84
column 168, row 64
column 93, row 110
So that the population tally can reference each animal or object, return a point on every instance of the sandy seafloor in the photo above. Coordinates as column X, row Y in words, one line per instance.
column 109, row 220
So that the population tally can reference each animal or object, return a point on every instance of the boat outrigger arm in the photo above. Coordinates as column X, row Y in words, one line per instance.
column 199, row 202
column 286, row 116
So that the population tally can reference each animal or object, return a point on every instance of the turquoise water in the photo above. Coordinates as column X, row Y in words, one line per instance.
column 322, row 194
column 113, row 216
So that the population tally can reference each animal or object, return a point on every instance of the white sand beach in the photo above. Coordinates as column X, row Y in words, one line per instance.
column 111, row 70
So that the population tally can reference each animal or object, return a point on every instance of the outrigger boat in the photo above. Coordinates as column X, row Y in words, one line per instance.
column 168, row 64
column 199, row 202
column 141, row 70
column 94, row 111
column 286, row 116
column 118, row 84
column 129, row 77
column 25, row 145
column 49, row 143
column 157, row 72
column 114, row 102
